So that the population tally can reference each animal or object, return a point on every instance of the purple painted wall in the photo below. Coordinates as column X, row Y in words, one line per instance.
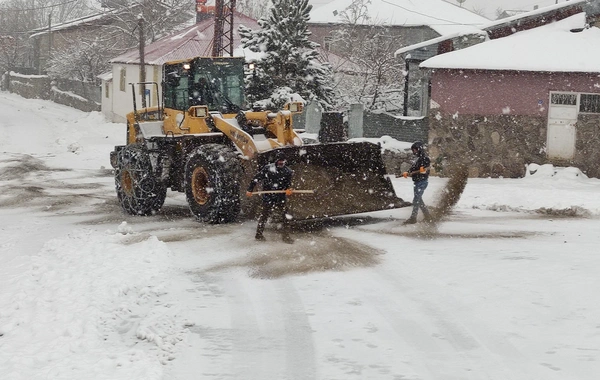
column 477, row 92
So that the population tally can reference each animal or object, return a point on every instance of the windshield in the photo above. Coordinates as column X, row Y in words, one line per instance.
column 214, row 82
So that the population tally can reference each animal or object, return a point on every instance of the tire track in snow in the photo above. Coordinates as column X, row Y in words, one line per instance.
column 482, row 354
column 267, row 344
column 300, row 350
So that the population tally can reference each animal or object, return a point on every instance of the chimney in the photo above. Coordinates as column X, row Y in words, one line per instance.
column 203, row 11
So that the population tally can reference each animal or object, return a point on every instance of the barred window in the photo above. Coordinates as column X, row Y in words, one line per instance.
column 564, row 99
column 589, row 103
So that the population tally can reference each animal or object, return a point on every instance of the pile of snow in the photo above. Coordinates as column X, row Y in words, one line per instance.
column 549, row 171
column 89, row 307
column 387, row 143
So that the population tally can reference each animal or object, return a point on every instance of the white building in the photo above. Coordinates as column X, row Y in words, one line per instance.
column 194, row 41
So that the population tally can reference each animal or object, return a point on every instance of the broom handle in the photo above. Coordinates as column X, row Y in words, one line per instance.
column 282, row 191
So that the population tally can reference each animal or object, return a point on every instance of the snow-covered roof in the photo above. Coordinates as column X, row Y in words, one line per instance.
column 557, row 47
column 191, row 42
column 491, row 25
column 105, row 76
column 437, row 40
column 86, row 20
column 196, row 41
column 533, row 13
column 439, row 15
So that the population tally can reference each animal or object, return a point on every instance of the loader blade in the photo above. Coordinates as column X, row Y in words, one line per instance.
column 347, row 178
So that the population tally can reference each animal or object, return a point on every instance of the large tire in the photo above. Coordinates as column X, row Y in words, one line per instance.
column 138, row 190
column 212, row 184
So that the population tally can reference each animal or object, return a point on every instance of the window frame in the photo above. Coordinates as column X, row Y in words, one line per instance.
column 596, row 104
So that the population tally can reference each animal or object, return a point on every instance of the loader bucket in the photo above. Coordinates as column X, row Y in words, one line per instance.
column 347, row 178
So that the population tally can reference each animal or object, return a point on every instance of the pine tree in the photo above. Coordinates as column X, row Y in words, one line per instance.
column 289, row 61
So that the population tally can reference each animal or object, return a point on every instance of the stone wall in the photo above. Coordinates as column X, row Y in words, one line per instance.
column 492, row 146
column 587, row 149
column 397, row 162
column 503, row 145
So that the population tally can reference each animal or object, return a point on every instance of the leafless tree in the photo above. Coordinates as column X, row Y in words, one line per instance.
column 19, row 17
column 375, row 78
column 120, row 33
column 255, row 9
column 83, row 60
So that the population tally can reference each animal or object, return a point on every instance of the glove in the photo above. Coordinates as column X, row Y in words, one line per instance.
column 405, row 174
column 248, row 193
column 422, row 170
column 289, row 192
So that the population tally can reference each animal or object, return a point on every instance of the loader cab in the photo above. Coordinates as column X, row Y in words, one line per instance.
column 217, row 83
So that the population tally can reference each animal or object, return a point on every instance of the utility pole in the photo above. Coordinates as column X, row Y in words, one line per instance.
column 142, row 59
column 223, row 34
column 49, row 41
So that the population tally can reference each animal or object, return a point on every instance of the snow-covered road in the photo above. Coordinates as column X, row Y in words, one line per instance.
column 505, row 289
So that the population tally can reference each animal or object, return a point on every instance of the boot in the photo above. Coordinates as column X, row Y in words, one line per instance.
column 287, row 239
column 260, row 237
column 411, row 220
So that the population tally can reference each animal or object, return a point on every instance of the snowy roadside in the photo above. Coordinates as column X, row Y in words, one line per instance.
column 101, row 301
column 91, row 305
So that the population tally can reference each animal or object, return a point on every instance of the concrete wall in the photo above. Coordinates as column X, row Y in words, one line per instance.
column 44, row 87
column 401, row 128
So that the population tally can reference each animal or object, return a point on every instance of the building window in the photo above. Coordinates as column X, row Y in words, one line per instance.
column 123, row 79
column 106, row 89
column 589, row 103
column 565, row 99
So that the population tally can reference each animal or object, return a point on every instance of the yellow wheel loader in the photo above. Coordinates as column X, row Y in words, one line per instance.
column 200, row 140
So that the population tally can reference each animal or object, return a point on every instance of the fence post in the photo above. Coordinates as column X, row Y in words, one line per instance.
column 355, row 121
column 313, row 117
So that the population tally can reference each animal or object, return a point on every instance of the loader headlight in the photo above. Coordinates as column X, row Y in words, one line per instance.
column 201, row 112
column 186, row 66
column 295, row 107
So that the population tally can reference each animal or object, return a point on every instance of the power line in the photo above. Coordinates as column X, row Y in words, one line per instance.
column 450, row 22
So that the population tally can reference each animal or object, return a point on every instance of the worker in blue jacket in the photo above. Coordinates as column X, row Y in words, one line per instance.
column 419, row 172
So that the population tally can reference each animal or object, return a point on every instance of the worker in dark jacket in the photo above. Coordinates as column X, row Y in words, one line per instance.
column 278, row 177
column 419, row 172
